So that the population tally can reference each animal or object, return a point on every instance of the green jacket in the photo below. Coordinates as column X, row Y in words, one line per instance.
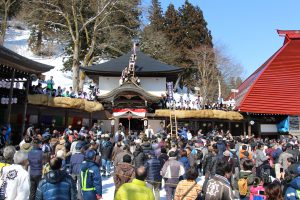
column 136, row 190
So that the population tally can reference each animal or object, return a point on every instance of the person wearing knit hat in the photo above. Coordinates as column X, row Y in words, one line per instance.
column 26, row 147
column 91, row 183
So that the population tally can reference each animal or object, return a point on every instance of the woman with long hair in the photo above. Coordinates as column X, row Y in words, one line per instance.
column 274, row 191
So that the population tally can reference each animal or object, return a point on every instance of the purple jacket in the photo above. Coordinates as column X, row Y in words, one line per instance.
column 35, row 158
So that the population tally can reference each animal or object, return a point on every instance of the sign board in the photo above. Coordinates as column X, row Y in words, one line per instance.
column 294, row 123
column 268, row 128
column 170, row 90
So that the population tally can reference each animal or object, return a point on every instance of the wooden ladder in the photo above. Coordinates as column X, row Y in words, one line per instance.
column 173, row 124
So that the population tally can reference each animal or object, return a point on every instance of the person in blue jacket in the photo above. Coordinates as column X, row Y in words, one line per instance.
column 184, row 160
column 57, row 184
column 90, row 177
column 292, row 192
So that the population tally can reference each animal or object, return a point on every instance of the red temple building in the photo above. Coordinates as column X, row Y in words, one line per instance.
column 271, row 95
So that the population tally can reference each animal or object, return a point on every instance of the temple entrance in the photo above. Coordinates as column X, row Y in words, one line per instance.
column 136, row 125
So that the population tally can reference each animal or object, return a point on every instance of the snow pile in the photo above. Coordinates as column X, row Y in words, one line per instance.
column 17, row 41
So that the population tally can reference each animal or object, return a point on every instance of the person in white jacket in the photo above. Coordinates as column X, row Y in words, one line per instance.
column 16, row 178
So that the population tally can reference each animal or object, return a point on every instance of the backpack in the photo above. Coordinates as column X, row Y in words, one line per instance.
column 243, row 186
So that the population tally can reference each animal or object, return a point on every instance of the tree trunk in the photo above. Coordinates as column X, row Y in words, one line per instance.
column 75, row 66
column 3, row 26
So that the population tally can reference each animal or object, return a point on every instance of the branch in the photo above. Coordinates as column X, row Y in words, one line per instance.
column 97, row 15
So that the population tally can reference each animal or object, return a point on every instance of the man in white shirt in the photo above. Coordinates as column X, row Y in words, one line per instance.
column 17, row 178
column 119, row 132
column 149, row 132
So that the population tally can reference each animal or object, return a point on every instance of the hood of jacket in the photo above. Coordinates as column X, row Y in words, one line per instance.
column 125, row 167
column 55, row 176
column 295, row 183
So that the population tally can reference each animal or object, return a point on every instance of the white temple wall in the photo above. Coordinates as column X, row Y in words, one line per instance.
column 154, row 85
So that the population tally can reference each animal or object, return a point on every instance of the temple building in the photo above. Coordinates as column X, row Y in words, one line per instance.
column 270, row 97
column 132, row 87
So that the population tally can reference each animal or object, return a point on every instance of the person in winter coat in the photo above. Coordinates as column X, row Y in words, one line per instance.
column 221, row 147
column 246, row 173
column 184, row 160
column 137, row 189
column 275, row 155
column 139, row 156
column 90, row 177
column 172, row 172
column 282, row 160
column 124, row 172
column 35, row 158
column 146, row 146
column 153, row 167
column 119, row 157
column 256, row 189
column 16, row 178
column 106, row 153
column 57, row 184
column 243, row 150
column 188, row 189
column 163, row 156
column 261, row 158
column 218, row 187
column 75, row 165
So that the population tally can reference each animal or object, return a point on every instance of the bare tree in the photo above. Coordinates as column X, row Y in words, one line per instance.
column 206, row 74
column 5, row 6
column 80, row 20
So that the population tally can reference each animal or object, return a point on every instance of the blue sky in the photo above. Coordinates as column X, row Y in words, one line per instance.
column 247, row 28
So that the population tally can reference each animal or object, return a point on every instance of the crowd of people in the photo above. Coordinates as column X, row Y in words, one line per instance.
column 71, row 165
column 48, row 88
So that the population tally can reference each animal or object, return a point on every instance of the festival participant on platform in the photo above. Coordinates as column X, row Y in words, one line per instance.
column 149, row 132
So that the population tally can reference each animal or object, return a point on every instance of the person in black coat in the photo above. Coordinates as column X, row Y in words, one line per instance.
column 106, row 155
column 153, row 167
column 139, row 156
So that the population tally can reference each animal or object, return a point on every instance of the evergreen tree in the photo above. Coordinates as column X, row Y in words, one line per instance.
column 194, row 31
column 156, row 16
column 172, row 25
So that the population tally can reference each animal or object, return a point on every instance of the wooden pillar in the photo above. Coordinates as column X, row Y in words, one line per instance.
column 11, row 92
column 244, row 128
column 25, row 108
column 249, row 129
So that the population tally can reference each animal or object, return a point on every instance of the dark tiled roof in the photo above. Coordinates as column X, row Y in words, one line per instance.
column 145, row 65
column 11, row 59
